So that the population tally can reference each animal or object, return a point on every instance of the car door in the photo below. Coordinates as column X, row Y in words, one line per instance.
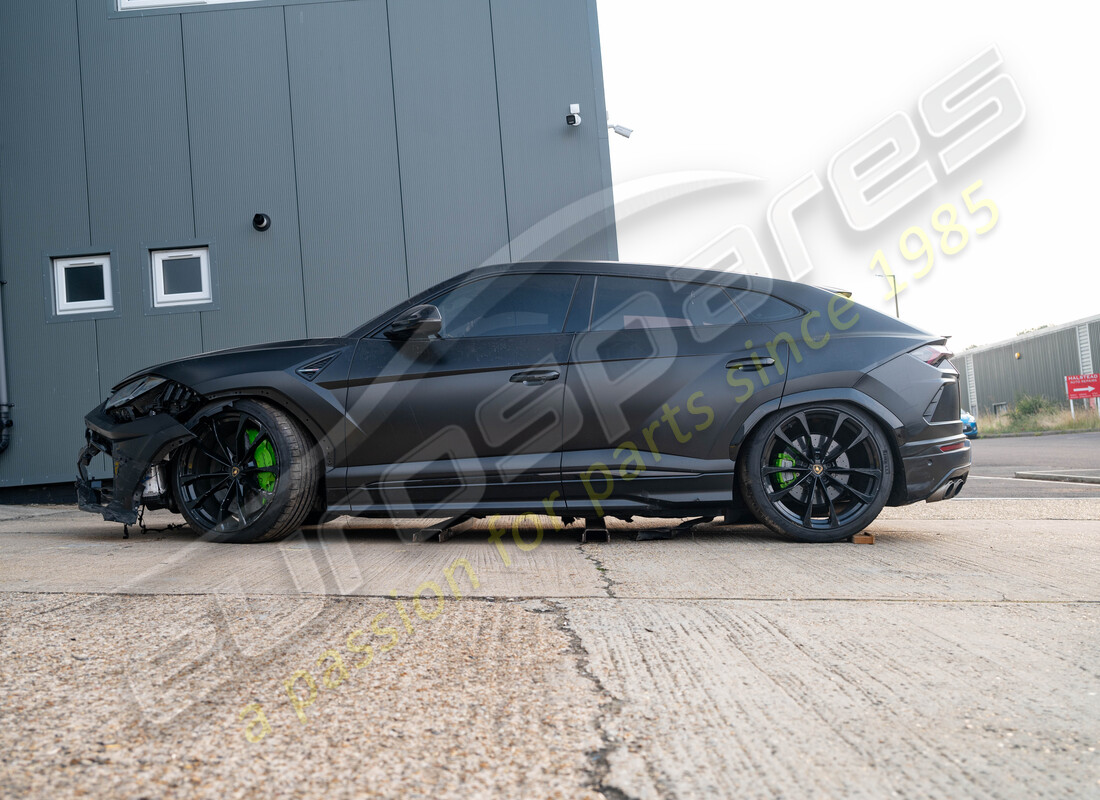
column 663, row 378
column 472, row 417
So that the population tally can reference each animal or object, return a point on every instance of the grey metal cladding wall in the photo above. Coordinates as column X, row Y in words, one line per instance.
column 610, row 227
column 1094, row 344
column 543, row 64
column 452, row 178
column 345, row 144
column 242, row 158
column 1042, row 368
column 43, row 192
column 139, row 182
column 959, row 363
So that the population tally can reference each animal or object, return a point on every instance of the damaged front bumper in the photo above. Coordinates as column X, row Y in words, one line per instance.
column 134, row 447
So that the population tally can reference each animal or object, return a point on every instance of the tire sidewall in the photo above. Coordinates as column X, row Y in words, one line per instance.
column 753, row 485
column 260, row 528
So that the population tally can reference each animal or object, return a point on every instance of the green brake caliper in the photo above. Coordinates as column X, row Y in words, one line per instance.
column 784, row 479
column 265, row 457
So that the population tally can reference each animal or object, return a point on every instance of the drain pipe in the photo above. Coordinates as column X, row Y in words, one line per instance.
column 5, row 406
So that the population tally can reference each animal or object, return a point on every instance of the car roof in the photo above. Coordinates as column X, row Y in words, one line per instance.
column 619, row 268
column 801, row 295
column 581, row 268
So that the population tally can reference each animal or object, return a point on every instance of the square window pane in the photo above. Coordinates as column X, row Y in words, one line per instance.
column 182, row 275
column 84, row 284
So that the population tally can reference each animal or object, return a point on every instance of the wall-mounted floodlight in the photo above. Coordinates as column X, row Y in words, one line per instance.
column 622, row 130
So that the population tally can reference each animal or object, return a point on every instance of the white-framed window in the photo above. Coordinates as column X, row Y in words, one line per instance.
column 82, row 284
column 129, row 5
column 181, row 277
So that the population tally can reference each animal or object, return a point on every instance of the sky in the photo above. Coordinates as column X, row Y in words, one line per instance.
column 732, row 104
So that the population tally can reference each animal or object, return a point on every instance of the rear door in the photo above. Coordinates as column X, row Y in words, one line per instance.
column 663, row 378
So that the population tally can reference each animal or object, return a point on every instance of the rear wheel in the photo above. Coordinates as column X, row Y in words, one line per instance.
column 249, row 475
column 817, row 473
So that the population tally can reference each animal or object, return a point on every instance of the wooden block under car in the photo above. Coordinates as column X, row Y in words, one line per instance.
column 863, row 538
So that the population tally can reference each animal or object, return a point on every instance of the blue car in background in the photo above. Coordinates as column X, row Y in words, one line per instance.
column 970, row 425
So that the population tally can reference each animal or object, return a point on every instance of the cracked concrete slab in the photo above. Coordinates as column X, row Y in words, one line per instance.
column 954, row 657
column 102, row 698
column 78, row 552
column 815, row 699
column 950, row 560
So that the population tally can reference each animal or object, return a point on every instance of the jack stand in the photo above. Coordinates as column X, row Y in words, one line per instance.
column 659, row 533
column 595, row 529
column 863, row 538
column 689, row 525
column 672, row 533
column 445, row 530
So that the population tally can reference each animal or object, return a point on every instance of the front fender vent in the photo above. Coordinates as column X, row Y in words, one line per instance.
column 314, row 368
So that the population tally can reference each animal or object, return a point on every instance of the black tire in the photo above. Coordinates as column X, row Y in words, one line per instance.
column 249, row 475
column 817, row 473
column 316, row 516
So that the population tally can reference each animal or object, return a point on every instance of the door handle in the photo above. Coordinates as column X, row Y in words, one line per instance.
column 749, row 363
column 535, row 377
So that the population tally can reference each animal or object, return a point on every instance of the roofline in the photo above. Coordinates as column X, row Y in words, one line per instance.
column 598, row 267
column 1031, row 335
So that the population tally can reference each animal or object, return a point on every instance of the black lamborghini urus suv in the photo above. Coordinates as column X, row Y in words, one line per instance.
column 568, row 389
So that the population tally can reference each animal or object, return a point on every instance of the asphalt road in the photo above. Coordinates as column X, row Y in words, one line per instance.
column 995, row 461
column 955, row 657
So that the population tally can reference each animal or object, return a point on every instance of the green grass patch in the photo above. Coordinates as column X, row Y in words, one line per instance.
column 1035, row 414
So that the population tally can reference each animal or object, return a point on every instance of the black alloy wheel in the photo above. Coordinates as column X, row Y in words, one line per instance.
column 818, row 473
column 249, row 475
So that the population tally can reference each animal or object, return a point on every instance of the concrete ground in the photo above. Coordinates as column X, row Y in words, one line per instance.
column 956, row 657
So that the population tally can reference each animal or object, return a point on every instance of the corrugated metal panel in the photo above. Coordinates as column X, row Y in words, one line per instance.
column 610, row 234
column 452, row 178
column 543, row 66
column 1094, row 339
column 1084, row 350
column 44, row 206
column 238, row 102
column 345, row 145
column 139, row 183
column 971, row 384
column 1041, row 369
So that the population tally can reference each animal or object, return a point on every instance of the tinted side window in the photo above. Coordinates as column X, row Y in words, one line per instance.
column 506, row 305
column 760, row 307
column 648, row 303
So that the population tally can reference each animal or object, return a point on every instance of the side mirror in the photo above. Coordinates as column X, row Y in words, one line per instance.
column 419, row 322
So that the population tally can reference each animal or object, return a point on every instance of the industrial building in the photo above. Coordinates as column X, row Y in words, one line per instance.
column 1036, row 363
column 178, row 178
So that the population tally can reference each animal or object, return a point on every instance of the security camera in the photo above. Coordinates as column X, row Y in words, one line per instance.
column 261, row 222
column 573, row 119
column 621, row 130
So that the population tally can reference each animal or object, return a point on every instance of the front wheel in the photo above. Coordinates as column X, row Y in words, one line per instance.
column 817, row 473
column 249, row 475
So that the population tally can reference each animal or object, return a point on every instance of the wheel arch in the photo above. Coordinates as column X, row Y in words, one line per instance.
column 284, row 404
column 305, row 487
column 887, row 420
column 217, row 402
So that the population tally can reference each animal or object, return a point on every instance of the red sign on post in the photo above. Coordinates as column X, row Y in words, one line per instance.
column 1078, row 387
